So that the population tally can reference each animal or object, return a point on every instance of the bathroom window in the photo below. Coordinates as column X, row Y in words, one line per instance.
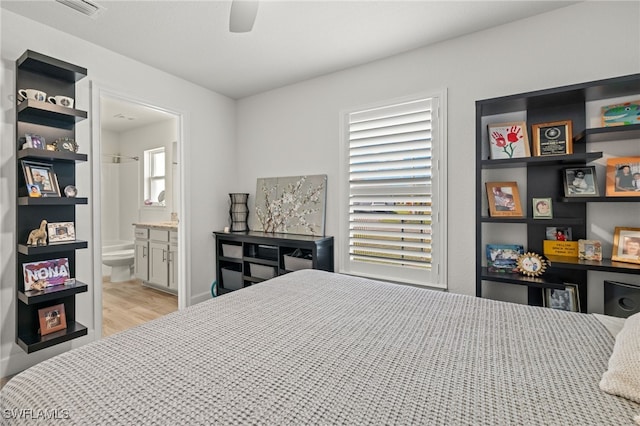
column 154, row 177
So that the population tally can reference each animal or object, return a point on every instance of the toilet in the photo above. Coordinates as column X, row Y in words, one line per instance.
column 119, row 256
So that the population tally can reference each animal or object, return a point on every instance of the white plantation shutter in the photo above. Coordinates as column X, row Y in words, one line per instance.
column 391, row 192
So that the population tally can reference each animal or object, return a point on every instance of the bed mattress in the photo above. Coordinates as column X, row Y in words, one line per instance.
column 313, row 347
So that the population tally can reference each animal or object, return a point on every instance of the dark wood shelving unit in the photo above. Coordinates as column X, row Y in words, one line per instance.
column 54, row 77
column 262, row 249
column 544, row 180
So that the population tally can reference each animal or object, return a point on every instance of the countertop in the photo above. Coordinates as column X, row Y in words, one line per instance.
column 169, row 226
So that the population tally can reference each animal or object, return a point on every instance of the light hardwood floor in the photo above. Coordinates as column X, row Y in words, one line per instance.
column 127, row 304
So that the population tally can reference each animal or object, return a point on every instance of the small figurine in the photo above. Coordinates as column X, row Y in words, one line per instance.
column 38, row 237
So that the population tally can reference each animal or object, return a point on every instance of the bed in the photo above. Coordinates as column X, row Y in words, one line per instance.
column 318, row 348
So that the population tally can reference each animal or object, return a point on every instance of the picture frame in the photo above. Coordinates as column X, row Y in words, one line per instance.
column 623, row 177
column 580, row 182
column 542, row 208
column 590, row 250
column 61, row 231
column 504, row 199
column 626, row 245
column 33, row 191
column 35, row 141
column 42, row 175
column 508, row 140
column 552, row 138
column 621, row 114
column 503, row 257
column 52, row 319
column 45, row 273
column 558, row 233
column 564, row 300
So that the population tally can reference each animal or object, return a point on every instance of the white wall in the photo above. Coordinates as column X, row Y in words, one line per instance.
column 208, row 135
column 295, row 130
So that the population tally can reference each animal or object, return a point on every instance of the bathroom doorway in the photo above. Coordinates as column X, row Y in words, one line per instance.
column 137, row 160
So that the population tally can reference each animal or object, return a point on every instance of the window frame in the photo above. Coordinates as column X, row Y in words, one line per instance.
column 149, row 177
column 437, row 277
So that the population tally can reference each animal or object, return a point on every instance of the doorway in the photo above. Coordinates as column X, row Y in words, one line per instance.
column 133, row 186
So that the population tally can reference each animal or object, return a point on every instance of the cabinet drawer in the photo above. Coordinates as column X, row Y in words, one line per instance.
column 157, row 235
column 142, row 233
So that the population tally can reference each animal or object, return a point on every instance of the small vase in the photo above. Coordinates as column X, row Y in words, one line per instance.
column 239, row 212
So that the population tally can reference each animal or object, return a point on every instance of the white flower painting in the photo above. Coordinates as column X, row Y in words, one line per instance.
column 294, row 205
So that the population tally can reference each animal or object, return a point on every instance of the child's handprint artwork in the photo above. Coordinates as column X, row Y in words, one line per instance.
column 508, row 140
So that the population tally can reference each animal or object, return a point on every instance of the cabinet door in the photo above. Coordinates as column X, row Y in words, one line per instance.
column 158, row 264
column 141, row 263
column 173, row 267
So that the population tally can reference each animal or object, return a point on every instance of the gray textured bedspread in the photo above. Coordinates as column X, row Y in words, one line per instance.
column 314, row 348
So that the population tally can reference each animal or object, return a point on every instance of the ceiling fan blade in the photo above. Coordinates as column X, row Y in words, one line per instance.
column 243, row 15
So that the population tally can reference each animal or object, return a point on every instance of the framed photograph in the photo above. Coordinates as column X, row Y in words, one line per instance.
column 61, row 231
column 580, row 182
column 35, row 141
column 509, row 140
column 621, row 114
column 34, row 191
column 554, row 138
column 558, row 233
column 542, row 208
column 503, row 257
column 43, row 176
column 626, row 245
column 504, row 199
column 589, row 250
column 623, row 177
column 52, row 319
column 565, row 300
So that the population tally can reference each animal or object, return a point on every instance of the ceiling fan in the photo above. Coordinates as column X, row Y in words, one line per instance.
column 243, row 15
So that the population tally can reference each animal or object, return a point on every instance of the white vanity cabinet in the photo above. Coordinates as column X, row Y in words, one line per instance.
column 161, row 259
column 141, row 253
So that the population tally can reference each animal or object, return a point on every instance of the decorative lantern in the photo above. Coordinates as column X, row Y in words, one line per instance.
column 239, row 212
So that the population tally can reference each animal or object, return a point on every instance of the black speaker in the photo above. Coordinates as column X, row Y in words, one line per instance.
column 620, row 299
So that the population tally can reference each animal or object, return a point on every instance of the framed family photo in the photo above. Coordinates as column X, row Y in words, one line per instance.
column 42, row 176
column 623, row 177
column 553, row 138
column 589, row 250
column 504, row 199
column 509, row 140
column 52, row 319
column 503, row 257
column 542, row 208
column 580, row 182
column 626, row 245
column 565, row 300
column 61, row 232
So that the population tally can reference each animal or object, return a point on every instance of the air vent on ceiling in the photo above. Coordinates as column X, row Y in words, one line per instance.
column 85, row 7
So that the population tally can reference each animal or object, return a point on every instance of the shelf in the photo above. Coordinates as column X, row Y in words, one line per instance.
column 45, row 113
column 606, row 265
column 43, row 154
column 607, row 134
column 52, row 248
column 260, row 261
column 532, row 221
column 253, row 279
column 31, row 297
column 34, row 342
column 541, row 161
column 600, row 199
column 52, row 67
column 51, row 201
column 230, row 259
column 545, row 281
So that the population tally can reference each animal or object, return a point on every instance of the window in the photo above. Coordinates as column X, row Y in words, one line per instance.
column 154, row 177
column 393, row 181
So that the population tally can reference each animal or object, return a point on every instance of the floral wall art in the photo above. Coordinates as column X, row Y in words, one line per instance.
column 294, row 205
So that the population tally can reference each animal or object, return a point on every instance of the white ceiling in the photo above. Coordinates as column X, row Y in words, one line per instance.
column 291, row 41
